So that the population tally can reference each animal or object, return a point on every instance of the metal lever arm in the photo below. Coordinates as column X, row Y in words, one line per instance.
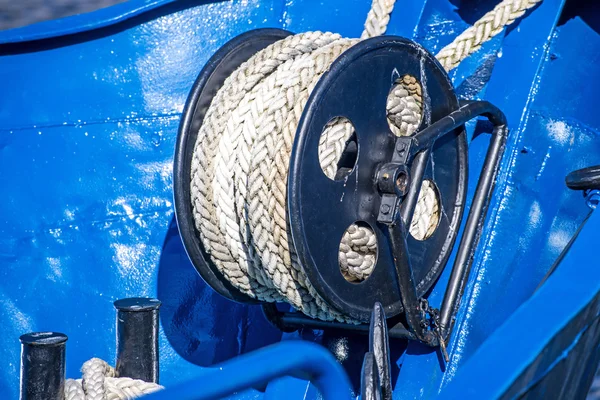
column 584, row 179
column 421, row 144
column 472, row 231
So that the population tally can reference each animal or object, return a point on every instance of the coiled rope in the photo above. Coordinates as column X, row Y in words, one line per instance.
column 240, row 162
column 99, row 382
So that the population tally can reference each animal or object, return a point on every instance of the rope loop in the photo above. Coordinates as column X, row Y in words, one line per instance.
column 99, row 382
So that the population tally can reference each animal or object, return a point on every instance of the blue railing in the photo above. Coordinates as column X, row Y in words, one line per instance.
column 299, row 359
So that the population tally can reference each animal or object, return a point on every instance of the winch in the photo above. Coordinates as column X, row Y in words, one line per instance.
column 379, row 178
column 322, row 184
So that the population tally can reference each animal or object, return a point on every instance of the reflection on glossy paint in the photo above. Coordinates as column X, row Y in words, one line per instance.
column 99, row 214
column 339, row 348
column 55, row 272
column 559, row 131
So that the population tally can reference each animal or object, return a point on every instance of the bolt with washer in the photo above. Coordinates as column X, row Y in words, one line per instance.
column 592, row 198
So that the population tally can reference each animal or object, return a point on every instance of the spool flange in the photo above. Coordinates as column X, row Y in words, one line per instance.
column 320, row 209
column 226, row 60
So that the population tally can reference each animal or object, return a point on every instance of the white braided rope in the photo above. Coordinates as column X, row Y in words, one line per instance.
column 241, row 157
column 378, row 18
column 99, row 383
column 260, row 124
column 488, row 26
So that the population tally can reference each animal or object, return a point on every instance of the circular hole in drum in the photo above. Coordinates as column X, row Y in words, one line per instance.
column 404, row 106
column 426, row 217
column 338, row 148
column 358, row 252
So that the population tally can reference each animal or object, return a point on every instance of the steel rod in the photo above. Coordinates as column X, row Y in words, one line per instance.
column 472, row 230
column 425, row 138
column 291, row 321
column 408, row 291
column 417, row 171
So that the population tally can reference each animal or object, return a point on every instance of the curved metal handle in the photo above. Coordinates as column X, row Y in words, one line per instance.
column 303, row 360
column 422, row 143
column 584, row 179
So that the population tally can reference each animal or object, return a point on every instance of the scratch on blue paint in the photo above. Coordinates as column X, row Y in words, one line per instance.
column 79, row 124
column 543, row 165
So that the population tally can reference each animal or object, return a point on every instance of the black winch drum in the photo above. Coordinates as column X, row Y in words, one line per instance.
column 320, row 209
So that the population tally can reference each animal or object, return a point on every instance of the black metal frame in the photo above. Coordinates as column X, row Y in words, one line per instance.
column 376, row 378
column 320, row 209
column 430, row 325
column 424, row 323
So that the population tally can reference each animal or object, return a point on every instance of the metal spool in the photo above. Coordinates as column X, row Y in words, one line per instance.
column 226, row 60
column 356, row 87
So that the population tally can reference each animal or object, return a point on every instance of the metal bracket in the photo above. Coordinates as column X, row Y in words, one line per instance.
column 431, row 326
column 424, row 323
column 376, row 380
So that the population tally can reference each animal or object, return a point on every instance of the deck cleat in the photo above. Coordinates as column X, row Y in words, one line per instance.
column 137, row 338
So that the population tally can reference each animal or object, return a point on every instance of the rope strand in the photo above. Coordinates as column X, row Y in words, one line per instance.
column 491, row 24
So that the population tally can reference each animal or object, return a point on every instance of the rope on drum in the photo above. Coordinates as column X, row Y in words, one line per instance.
column 241, row 158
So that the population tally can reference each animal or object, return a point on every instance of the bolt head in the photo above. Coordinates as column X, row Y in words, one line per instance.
column 400, row 147
column 593, row 199
column 385, row 208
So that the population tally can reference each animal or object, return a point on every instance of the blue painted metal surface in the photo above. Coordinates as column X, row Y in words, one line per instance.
column 552, row 345
column 88, row 116
column 301, row 359
column 82, row 22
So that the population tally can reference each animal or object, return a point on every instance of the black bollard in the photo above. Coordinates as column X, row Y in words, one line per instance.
column 137, row 338
column 43, row 366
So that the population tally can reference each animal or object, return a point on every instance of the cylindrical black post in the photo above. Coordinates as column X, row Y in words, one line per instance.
column 43, row 366
column 137, row 338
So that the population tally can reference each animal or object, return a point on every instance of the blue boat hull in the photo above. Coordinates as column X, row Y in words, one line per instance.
column 89, row 111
